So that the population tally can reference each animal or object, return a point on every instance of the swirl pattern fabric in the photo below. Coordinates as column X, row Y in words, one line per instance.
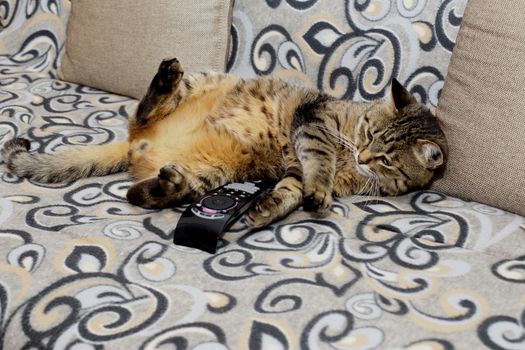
column 83, row 269
column 349, row 48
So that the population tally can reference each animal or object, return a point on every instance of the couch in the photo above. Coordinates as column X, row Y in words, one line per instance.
column 83, row 269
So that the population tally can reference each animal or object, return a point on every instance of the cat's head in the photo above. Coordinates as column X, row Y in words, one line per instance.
column 399, row 143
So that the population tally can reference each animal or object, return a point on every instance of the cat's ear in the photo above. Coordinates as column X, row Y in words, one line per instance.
column 429, row 154
column 400, row 96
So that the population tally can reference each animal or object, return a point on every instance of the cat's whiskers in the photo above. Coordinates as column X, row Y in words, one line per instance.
column 343, row 140
column 371, row 188
column 376, row 191
column 367, row 188
column 363, row 189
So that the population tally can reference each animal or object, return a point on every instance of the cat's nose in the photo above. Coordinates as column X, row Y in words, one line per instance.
column 364, row 157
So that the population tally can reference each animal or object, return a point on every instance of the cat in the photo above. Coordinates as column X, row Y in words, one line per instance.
column 190, row 135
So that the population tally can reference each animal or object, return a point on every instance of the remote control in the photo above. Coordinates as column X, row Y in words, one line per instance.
column 202, row 223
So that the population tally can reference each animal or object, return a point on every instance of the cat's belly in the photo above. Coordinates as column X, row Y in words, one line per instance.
column 204, row 136
column 169, row 140
column 202, row 148
column 205, row 153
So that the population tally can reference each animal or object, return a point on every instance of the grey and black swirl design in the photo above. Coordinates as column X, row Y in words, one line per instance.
column 83, row 269
column 356, row 51
column 503, row 332
column 273, row 46
column 510, row 270
column 296, row 4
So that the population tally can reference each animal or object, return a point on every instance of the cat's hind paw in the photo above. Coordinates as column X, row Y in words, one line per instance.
column 170, row 71
column 172, row 177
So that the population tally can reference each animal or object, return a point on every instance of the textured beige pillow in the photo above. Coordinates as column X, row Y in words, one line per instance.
column 116, row 45
column 482, row 107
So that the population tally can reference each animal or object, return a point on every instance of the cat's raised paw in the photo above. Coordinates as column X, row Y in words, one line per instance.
column 171, row 71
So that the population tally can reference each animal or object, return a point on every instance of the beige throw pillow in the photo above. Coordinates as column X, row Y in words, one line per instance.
column 116, row 45
column 482, row 107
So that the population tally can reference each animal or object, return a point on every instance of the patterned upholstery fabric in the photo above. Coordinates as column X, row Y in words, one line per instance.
column 82, row 269
column 350, row 48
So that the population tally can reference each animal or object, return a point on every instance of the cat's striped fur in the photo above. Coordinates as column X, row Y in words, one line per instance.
column 192, row 134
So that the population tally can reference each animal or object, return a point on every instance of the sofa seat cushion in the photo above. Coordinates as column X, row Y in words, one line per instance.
column 82, row 266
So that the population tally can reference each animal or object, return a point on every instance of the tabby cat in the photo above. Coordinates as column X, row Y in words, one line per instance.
column 190, row 135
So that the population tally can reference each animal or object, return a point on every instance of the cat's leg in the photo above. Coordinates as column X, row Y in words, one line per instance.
column 164, row 87
column 283, row 199
column 167, row 189
column 317, row 154
column 172, row 186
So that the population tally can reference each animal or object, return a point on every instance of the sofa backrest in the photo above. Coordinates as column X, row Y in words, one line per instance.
column 349, row 48
column 482, row 109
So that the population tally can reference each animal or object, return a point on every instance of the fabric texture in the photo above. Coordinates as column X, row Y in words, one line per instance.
column 116, row 46
column 83, row 269
column 351, row 49
column 483, row 107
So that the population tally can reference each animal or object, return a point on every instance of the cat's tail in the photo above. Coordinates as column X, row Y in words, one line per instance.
column 68, row 165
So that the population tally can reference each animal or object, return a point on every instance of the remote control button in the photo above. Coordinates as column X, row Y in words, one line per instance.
column 209, row 211
column 248, row 187
column 207, row 216
column 219, row 202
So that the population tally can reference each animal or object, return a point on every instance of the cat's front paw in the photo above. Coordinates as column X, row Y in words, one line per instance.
column 266, row 211
column 317, row 200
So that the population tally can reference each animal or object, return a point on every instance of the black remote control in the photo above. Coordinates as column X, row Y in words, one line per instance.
column 202, row 223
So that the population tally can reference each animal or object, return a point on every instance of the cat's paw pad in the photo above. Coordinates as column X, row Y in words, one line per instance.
column 264, row 212
column 317, row 200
